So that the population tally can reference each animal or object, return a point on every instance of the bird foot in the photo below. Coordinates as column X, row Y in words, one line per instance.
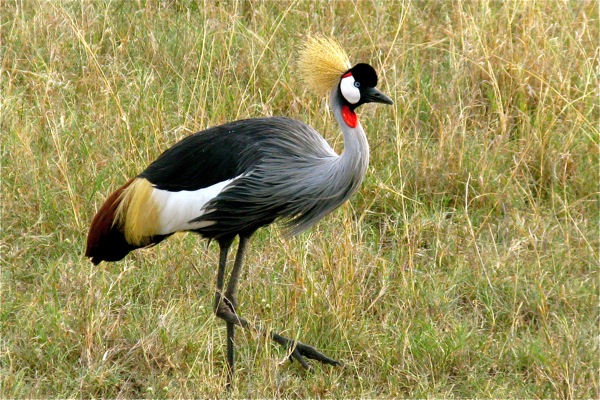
column 225, row 309
column 299, row 350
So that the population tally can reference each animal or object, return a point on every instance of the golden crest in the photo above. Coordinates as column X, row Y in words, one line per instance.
column 321, row 63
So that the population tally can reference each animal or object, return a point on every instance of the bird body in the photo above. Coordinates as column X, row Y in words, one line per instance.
column 232, row 179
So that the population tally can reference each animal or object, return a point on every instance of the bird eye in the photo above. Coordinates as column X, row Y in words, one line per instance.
column 357, row 84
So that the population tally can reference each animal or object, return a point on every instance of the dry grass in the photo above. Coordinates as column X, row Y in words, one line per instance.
column 466, row 267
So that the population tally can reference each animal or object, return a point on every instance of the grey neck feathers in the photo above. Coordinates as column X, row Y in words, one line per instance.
column 333, row 178
column 354, row 161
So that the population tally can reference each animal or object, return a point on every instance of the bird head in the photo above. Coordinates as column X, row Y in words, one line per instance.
column 323, row 65
column 357, row 86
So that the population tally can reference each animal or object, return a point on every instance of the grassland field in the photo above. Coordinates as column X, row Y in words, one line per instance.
column 466, row 266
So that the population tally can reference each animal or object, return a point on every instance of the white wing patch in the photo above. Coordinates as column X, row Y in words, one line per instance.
column 177, row 209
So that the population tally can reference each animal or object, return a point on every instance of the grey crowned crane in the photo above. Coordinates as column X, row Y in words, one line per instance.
column 232, row 179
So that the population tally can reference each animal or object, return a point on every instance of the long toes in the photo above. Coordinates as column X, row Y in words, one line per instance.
column 295, row 355
column 300, row 350
column 310, row 352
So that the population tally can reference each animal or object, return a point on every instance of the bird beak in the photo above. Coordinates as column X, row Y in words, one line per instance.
column 373, row 95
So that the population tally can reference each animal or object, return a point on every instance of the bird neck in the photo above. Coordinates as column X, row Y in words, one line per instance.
column 352, row 164
column 356, row 146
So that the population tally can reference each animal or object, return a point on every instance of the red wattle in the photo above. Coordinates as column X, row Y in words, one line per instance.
column 349, row 116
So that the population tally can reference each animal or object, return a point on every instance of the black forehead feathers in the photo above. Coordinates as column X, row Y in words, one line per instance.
column 365, row 74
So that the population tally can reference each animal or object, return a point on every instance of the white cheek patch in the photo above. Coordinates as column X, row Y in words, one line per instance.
column 350, row 92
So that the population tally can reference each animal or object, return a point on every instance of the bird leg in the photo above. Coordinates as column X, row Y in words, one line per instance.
column 224, row 305
column 298, row 350
column 225, row 308
column 231, row 302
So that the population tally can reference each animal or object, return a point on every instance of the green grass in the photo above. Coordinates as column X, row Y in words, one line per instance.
column 467, row 266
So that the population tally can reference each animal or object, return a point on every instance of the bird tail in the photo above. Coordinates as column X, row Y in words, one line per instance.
column 125, row 222
column 106, row 239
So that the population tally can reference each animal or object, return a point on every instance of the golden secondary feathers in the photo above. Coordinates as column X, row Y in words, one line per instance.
column 321, row 63
column 137, row 212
